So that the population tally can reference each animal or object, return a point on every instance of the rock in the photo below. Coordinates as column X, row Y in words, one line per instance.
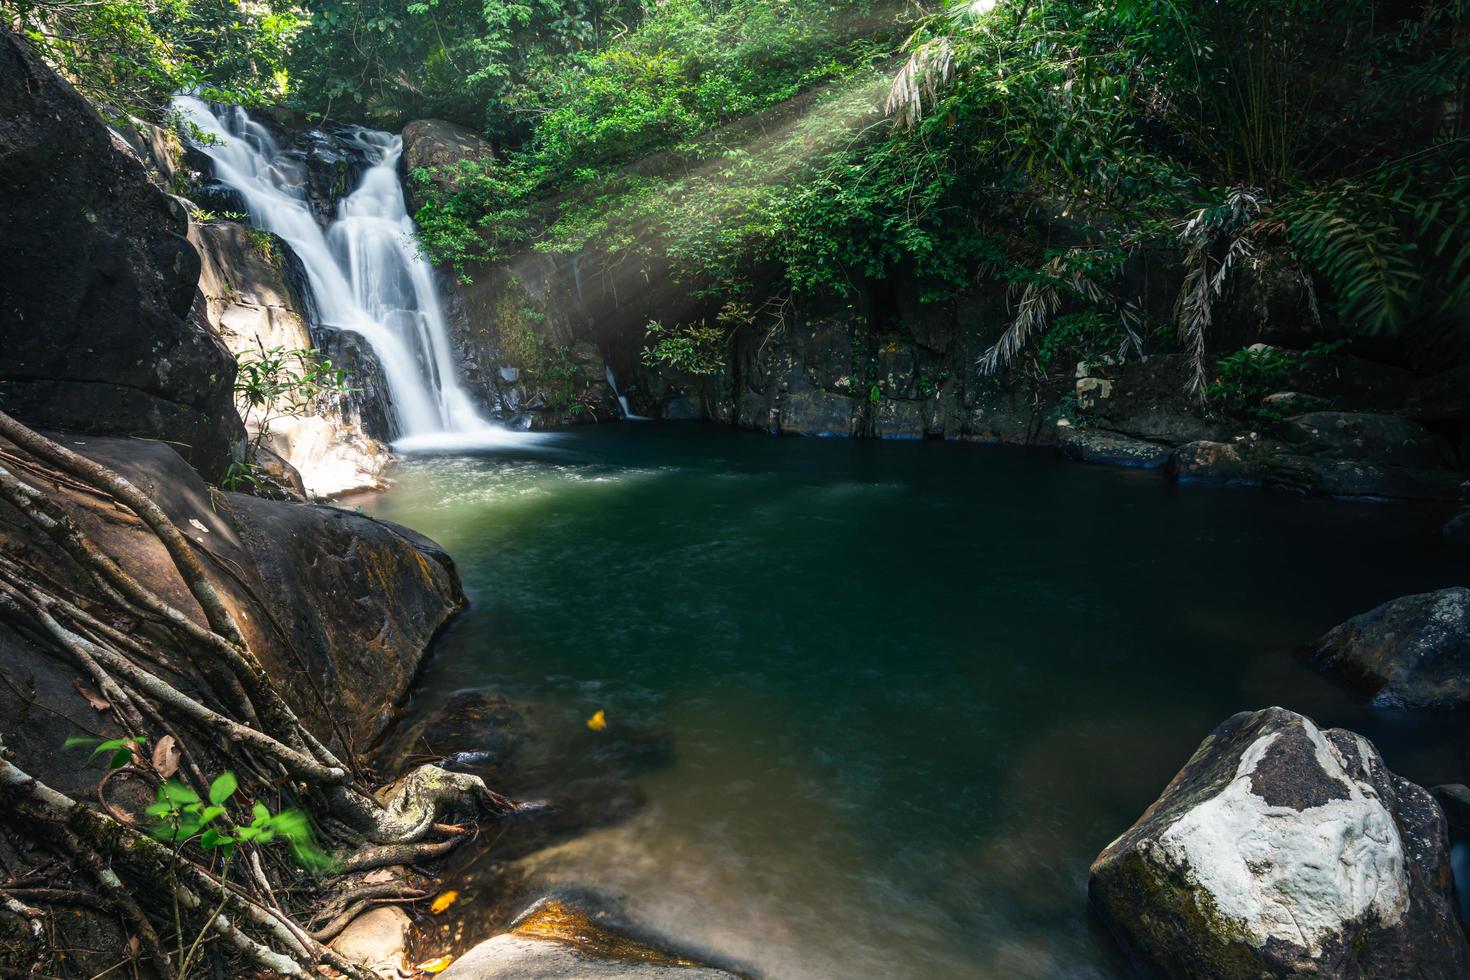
column 1256, row 464
column 438, row 143
column 377, row 940
column 1350, row 382
column 555, row 940
column 809, row 411
column 98, row 321
column 1213, row 462
column 1441, row 397
column 1454, row 800
column 340, row 608
column 1412, row 652
column 1109, row 448
column 1362, row 436
column 1092, row 392
column 254, row 307
column 1284, row 850
column 1457, row 528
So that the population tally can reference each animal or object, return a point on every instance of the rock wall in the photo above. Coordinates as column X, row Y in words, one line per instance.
column 99, row 325
column 253, row 308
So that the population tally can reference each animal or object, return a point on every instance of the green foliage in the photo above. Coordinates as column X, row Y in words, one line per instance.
column 273, row 383
column 1245, row 378
column 129, row 56
column 122, row 749
column 180, row 816
column 694, row 349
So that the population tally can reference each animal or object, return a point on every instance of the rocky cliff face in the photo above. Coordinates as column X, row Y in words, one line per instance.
column 253, row 308
column 99, row 328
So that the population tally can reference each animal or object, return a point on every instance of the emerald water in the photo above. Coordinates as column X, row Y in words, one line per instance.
column 874, row 707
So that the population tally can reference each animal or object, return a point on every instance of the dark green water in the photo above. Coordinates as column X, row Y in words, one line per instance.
column 911, row 689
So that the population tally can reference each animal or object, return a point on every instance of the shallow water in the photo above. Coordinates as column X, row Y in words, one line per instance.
column 911, row 690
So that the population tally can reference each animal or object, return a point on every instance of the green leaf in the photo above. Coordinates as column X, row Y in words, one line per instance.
column 223, row 788
column 210, row 814
column 178, row 794
column 121, row 758
column 262, row 814
column 79, row 741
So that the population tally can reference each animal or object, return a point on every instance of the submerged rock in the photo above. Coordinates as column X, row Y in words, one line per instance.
column 1284, row 850
column 555, row 939
column 1412, row 652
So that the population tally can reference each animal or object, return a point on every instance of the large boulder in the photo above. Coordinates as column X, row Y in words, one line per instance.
column 98, row 323
column 1412, row 652
column 437, row 143
column 553, row 939
column 1276, row 465
column 1284, row 850
column 340, row 608
column 1383, row 439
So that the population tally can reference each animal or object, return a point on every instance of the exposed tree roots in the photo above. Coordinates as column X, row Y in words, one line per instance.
column 134, row 648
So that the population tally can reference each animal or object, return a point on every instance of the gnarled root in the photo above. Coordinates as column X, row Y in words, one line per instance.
column 416, row 804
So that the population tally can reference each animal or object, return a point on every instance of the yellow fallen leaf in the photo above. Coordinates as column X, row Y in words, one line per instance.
column 443, row 902
column 598, row 721
column 435, row 965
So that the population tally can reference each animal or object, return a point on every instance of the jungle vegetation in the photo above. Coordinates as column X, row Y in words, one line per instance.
column 773, row 148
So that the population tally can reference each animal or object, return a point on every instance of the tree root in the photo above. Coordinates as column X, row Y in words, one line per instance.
column 238, row 712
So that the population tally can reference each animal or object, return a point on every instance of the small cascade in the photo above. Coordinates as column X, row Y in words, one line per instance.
column 365, row 273
column 612, row 383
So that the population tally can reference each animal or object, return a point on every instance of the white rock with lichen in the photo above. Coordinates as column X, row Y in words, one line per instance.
column 1282, row 849
column 1297, row 875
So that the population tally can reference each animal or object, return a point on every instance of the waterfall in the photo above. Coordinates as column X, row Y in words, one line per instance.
column 612, row 383
column 364, row 272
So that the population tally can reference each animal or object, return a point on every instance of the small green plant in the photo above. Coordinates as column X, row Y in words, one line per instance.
column 123, row 749
column 181, row 817
column 697, row 348
column 1247, row 377
column 274, row 383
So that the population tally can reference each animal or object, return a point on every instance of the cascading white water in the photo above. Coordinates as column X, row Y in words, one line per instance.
column 365, row 272
column 612, row 383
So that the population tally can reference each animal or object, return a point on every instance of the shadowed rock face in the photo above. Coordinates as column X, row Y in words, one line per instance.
column 340, row 608
column 98, row 325
column 1284, row 850
column 1411, row 652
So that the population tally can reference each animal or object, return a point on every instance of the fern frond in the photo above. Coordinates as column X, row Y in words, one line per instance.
column 1364, row 257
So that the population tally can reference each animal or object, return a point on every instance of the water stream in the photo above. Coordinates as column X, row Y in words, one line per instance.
column 364, row 270
column 873, row 708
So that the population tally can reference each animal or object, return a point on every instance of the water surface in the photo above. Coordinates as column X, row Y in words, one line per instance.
column 909, row 690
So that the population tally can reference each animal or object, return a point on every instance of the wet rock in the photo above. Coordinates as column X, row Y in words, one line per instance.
column 1109, row 448
column 1411, row 652
column 1266, row 464
column 1372, row 438
column 254, row 306
column 894, row 419
column 1284, row 850
column 809, row 411
column 376, row 940
column 98, row 323
column 553, row 939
